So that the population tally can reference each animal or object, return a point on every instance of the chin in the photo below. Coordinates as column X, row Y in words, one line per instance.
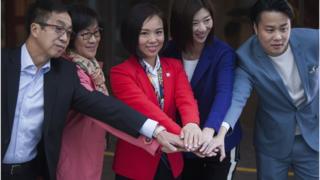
column 201, row 41
column 56, row 55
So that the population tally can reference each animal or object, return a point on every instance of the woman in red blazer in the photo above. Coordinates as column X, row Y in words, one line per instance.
column 156, row 87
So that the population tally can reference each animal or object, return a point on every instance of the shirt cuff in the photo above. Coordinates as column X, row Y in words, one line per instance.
column 226, row 125
column 148, row 128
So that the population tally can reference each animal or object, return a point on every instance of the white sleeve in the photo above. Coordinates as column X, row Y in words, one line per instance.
column 148, row 128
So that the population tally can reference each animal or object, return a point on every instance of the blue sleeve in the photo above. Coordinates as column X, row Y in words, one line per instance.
column 224, row 85
column 242, row 88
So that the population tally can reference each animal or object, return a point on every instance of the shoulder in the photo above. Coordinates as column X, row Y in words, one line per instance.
column 304, row 33
column 307, row 37
column 62, row 65
column 127, row 66
column 246, row 48
column 8, row 52
column 217, row 46
column 173, row 62
column 217, row 51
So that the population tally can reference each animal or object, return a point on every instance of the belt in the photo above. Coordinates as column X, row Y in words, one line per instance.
column 19, row 168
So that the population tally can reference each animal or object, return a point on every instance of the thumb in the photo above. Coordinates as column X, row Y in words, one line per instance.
column 181, row 134
column 171, row 147
column 222, row 154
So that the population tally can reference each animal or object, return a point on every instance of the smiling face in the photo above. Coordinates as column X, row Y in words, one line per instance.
column 273, row 31
column 202, row 25
column 88, row 47
column 151, row 38
column 52, row 41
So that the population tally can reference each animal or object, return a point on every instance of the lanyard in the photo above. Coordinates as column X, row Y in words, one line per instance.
column 159, row 92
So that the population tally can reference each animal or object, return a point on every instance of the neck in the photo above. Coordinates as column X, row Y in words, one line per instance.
column 151, row 61
column 193, row 52
column 38, row 58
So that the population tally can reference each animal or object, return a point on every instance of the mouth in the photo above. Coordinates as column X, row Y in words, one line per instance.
column 277, row 46
column 91, row 48
column 61, row 47
column 201, row 36
column 152, row 49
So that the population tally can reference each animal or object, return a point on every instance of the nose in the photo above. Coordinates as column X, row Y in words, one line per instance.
column 92, row 38
column 202, row 27
column 64, row 37
column 277, row 35
column 152, row 37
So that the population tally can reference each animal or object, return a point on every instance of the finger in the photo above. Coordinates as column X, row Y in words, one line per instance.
column 164, row 149
column 222, row 154
column 201, row 139
column 214, row 153
column 199, row 155
column 186, row 140
column 182, row 134
column 190, row 140
column 209, row 149
column 195, row 140
column 204, row 146
column 170, row 147
column 211, row 154
column 177, row 142
column 216, row 150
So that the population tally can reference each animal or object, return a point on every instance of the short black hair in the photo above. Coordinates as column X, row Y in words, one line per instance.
column 132, row 25
column 260, row 6
column 81, row 17
column 40, row 11
column 182, row 14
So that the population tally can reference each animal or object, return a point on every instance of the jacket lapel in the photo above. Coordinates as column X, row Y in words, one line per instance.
column 201, row 67
column 143, row 80
column 49, row 92
column 13, row 79
column 270, row 70
column 167, row 77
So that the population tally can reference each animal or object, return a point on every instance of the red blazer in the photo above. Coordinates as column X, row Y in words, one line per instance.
column 131, row 85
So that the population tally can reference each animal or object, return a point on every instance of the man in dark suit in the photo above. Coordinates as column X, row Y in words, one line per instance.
column 39, row 88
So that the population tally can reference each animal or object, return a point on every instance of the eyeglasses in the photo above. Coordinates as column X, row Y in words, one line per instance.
column 88, row 35
column 60, row 30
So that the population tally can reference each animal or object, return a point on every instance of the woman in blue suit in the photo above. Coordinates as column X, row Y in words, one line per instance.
column 209, row 64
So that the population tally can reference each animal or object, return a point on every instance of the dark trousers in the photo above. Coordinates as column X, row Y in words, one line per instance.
column 163, row 172
column 210, row 168
column 23, row 171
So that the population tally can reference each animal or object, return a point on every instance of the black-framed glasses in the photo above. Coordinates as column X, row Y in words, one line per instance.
column 60, row 30
column 87, row 35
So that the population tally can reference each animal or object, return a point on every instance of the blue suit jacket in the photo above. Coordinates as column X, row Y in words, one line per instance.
column 212, row 83
column 277, row 116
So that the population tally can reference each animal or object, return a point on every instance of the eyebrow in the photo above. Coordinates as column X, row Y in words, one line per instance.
column 63, row 24
column 161, row 28
column 206, row 17
column 94, row 29
column 271, row 26
column 285, row 24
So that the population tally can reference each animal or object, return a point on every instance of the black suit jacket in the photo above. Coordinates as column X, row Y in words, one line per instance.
column 62, row 91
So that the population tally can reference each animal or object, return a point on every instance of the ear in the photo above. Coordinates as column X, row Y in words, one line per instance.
column 255, row 28
column 35, row 29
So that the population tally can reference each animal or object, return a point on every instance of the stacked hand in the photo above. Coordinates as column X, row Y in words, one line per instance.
column 169, row 142
column 213, row 145
column 192, row 136
column 201, row 143
column 204, row 150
